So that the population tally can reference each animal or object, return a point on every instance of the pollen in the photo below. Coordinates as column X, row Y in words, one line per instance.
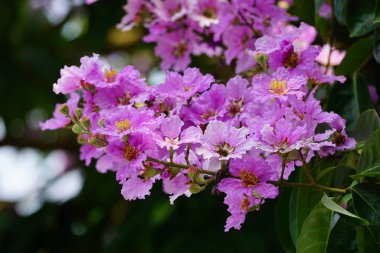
column 248, row 179
column 278, row 87
column 130, row 153
column 292, row 60
column 180, row 49
column 123, row 125
column 224, row 149
column 110, row 75
column 245, row 203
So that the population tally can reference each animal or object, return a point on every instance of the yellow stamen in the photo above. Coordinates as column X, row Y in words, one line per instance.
column 278, row 87
column 123, row 125
column 248, row 179
column 130, row 153
column 110, row 75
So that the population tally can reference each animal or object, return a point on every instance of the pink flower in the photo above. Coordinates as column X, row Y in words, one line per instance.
column 280, row 85
column 325, row 11
column 224, row 142
column 247, row 189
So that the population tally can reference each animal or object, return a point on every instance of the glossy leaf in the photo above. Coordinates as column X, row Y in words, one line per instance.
column 340, row 10
column 282, row 220
column 342, row 238
column 369, row 162
column 315, row 231
column 330, row 204
column 360, row 16
column 376, row 44
column 367, row 123
column 366, row 200
column 305, row 11
column 356, row 55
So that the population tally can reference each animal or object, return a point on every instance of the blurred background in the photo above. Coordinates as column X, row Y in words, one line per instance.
column 50, row 201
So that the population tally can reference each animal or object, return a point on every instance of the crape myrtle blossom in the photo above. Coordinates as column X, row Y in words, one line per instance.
column 241, row 136
column 212, row 27
column 248, row 189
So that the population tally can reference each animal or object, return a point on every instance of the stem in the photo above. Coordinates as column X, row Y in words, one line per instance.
column 180, row 166
column 307, row 185
column 187, row 154
column 307, row 169
column 171, row 151
column 283, row 165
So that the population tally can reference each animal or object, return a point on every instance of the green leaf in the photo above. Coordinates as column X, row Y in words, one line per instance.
column 340, row 11
column 360, row 16
column 365, row 241
column 366, row 200
column 350, row 99
column 330, row 204
column 304, row 11
column 315, row 231
column 356, row 55
column 282, row 220
column 377, row 12
column 367, row 123
column 342, row 238
column 376, row 44
column 369, row 161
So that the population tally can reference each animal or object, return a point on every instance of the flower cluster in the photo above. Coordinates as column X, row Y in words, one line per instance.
column 191, row 131
column 212, row 27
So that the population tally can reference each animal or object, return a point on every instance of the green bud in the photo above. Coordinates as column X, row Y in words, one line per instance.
column 64, row 109
column 262, row 60
column 194, row 188
column 85, row 122
column 78, row 113
column 94, row 141
column 81, row 140
column 192, row 173
column 174, row 171
column 101, row 123
column 77, row 129
column 150, row 172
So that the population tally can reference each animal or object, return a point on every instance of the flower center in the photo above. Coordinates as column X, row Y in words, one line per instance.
column 248, row 179
column 245, row 203
column 278, row 87
column 339, row 139
column 180, row 49
column 110, row 75
column 186, row 88
column 123, row 125
column 292, row 60
column 236, row 107
column 207, row 115
column 224, row 149
column 209, row 12
column 130, row 153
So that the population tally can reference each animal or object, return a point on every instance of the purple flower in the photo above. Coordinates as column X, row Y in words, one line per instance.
column 174, row 49
column 187, row 85
column 170, row 129
column 224, row 142
column 248, row 189
column 209, row 106
column 136, row 188
column 60, row 120
column 126, row 120
column 280, row 85
column 325, row 11
column 74, row 78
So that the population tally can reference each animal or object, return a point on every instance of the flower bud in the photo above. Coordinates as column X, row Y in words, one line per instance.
column 85, row 122
column 194, row 188
column 64, row 109
column 81, row 140
column 192, row 173
column 262, row 60
column 94, row 141
column 77, row 129
column 150, row 172
column 78, row 113
column 101, row 123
